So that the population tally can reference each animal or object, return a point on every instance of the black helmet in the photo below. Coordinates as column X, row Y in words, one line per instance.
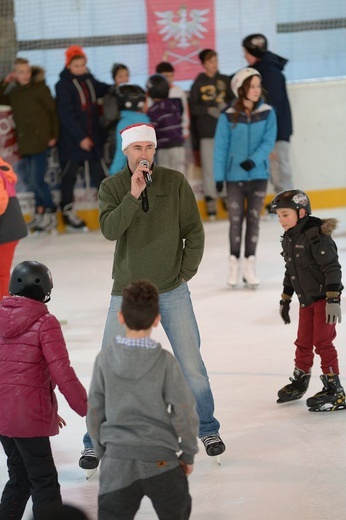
column 31, row 274
column 294, row 199
column 256, row 44
column 130, row 97
column 157, row 86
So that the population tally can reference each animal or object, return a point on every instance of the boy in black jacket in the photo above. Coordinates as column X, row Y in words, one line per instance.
column 313, row 271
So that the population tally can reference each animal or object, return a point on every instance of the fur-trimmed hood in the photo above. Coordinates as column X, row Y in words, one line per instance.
column 329, row 225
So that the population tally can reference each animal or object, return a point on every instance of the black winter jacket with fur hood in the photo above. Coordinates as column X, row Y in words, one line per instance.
column 311, row 258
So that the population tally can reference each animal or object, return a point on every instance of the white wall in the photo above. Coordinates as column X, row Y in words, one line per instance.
column 318, row 148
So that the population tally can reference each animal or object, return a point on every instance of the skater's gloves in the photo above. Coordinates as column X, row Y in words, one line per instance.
column 333, row 309
column 285, row 308
column 247, row 165
column 219, row 186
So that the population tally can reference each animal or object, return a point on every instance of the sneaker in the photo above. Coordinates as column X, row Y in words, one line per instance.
column 72, row 220
column 213, row 444
column 89, row 459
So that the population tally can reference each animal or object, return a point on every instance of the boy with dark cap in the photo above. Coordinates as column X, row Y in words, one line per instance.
column 270, row 66
column 210, row 93
column 141, row 414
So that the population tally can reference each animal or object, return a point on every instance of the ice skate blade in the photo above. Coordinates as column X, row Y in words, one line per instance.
column 89, row 473
column 252, row 286
column 328, row 407
column 282, row 401
column 83, row 229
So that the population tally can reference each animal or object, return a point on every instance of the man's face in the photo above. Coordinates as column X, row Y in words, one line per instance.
column 77, row 67
column 249, row 58
column 139, row 151
column 22, row 73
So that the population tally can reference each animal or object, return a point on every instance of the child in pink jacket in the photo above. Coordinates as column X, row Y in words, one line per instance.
column 33, row 360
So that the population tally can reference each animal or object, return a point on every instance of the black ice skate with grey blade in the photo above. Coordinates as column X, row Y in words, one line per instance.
column 89, row 462
column 331, row 398
column 214, row 445
column 296, row 389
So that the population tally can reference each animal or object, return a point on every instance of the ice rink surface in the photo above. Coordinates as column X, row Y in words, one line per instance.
column 282, row 462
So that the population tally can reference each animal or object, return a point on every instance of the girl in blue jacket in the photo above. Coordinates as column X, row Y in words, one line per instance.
column 245, row 135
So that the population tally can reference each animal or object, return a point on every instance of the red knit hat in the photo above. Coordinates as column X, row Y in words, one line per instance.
column 74, row 51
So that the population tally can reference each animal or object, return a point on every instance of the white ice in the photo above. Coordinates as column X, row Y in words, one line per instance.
column 282, row 462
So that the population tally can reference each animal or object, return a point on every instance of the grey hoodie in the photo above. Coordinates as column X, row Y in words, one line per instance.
column 140, row 406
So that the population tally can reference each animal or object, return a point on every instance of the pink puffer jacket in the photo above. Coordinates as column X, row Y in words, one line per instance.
column 33, row 360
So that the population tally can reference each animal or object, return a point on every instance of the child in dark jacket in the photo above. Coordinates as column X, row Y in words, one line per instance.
column 33, row 360
column 166, row 116
column 82, row 136
column 138, row 435
column 313, row 272
column 37, row 130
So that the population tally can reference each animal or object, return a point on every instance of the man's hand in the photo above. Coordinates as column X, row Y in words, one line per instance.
column 138, row 181
column 285, row 311
column 213, row 112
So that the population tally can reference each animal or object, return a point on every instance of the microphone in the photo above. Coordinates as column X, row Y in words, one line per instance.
column 147, row 175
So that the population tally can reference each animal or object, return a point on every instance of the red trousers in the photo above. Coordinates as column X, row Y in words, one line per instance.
column 313, row 331
column 6, row 257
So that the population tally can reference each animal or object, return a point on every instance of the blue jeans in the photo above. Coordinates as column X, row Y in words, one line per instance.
column 35, row 167
column 179, row 323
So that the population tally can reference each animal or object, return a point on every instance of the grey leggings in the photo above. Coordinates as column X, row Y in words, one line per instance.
column 245, row 199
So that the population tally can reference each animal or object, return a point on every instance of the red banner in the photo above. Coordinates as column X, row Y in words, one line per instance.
column 178, row 32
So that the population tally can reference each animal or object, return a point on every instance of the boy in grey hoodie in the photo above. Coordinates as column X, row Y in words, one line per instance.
column 140, row 415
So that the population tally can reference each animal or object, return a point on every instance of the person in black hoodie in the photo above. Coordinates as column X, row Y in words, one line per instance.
column 270, row 66
column 82, row 137
column 313, row 272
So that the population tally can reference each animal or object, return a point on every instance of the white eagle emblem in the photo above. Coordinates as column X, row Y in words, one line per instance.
column 185, row 27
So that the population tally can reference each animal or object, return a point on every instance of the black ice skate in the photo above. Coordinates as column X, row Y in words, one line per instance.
column 214, row 445
column 72, row 221
column 331, row 398
column 89, row 461
column 296, row 389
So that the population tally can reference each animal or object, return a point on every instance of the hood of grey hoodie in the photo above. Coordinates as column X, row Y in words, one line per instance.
column 131, row 362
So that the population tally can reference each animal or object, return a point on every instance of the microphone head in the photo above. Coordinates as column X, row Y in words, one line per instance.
column 144, row 163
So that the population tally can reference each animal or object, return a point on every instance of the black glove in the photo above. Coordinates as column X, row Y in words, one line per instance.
column 219, row 186
column 285, row 311
column 247, row 165
column 333, row 310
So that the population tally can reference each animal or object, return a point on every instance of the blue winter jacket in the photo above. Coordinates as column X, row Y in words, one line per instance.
column 251, row 138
